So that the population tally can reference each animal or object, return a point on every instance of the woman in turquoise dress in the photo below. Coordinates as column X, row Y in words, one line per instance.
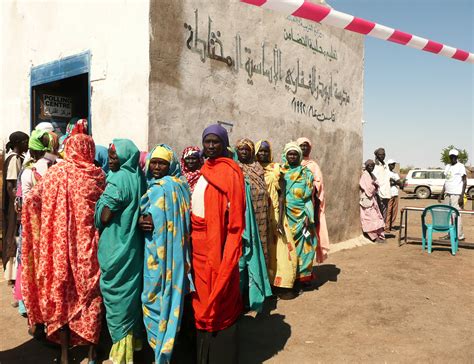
column 121, row 249
column 167, row 269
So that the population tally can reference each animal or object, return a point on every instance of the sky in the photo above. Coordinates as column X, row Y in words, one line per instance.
column 416, row 103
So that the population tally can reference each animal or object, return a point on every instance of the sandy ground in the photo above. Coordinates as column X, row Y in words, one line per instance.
column 371, row 304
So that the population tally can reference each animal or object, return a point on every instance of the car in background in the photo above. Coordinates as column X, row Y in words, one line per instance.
column 427, row 182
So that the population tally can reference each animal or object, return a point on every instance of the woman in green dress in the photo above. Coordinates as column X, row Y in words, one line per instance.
column 121, row 249
column 295, row 259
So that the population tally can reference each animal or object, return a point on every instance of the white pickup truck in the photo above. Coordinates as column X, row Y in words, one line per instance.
column 427, row 182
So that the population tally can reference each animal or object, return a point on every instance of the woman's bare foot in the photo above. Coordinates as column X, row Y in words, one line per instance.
column 64, row 357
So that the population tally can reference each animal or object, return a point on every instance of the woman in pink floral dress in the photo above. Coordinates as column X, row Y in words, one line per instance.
column 60, row 272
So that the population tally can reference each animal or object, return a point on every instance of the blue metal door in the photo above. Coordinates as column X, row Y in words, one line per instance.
column 61, row 69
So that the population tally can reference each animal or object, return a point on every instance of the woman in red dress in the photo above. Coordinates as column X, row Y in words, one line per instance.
column 218, row 222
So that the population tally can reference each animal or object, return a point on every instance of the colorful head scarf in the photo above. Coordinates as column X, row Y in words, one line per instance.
column 75, row 126
column 289, row 147
column 53, row 141
column 248, row 143
column 35, row 142
column 265, row 143
column 80, row 151
column 221, row 132
column 142, row 161
column 162, row 153
column 191, row 176
column 191, row 151
column 165, row 152
column 81, row 127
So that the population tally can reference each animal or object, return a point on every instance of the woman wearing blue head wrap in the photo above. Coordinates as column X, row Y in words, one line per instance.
column 102, row 157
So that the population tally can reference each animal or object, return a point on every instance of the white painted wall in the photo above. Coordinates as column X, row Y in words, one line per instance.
column 35, row 32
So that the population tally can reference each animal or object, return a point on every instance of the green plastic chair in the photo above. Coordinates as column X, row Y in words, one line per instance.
column 441, row 217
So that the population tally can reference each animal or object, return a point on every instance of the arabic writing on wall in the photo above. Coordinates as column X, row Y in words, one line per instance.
column 300, row 107
column 310, row 43
column 309, row 27
column 266, row 62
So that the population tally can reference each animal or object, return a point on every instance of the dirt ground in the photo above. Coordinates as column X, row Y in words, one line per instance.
column 372, row 304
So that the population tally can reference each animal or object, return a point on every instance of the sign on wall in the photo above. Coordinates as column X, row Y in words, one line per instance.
column 58, row 106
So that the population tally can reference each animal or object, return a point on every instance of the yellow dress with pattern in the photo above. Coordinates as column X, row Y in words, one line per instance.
column 282, row 258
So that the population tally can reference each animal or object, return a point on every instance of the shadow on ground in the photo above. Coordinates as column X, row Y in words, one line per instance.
column 323, row 273
column 262, row 337
column 30, row 352
column 42, row 351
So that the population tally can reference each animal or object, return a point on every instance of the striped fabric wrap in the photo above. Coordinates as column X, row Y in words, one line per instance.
column 325, row 15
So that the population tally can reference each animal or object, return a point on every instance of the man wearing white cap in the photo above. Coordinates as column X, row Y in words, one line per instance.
column 455, row 186
column 392, row 209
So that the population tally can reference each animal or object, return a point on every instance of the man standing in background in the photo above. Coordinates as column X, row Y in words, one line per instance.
column 392, row 209
column 455, row 186
column 381, row 172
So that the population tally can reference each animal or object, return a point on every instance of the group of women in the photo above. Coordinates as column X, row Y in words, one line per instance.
column 166, row 244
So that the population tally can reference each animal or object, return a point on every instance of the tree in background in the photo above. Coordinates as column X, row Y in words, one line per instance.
column 404, row 171
column 463, row 157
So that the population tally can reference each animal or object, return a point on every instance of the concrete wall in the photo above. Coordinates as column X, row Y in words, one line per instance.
column 116, row 33
column 206, row 65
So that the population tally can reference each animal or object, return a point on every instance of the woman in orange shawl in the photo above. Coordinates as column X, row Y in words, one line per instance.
column 60, row 275
column 218, row 220
column 321, row 228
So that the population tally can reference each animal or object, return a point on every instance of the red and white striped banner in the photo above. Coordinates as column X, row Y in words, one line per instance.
column 325, row 15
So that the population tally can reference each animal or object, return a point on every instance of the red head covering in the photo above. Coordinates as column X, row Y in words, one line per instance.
column 81, row 127
column 191, row 177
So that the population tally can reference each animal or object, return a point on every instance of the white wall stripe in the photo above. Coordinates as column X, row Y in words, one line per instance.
column 447, row 51
column 381, row 32
column 286, row 7
column 417, row 42
column 470, row 59
column 337, row 19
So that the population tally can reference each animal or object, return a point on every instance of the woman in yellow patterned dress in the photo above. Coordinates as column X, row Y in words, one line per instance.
column 293, row 240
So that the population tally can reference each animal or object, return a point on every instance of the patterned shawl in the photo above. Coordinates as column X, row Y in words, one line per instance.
column 167, row 265
column 255, row 174
column 254, row 171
